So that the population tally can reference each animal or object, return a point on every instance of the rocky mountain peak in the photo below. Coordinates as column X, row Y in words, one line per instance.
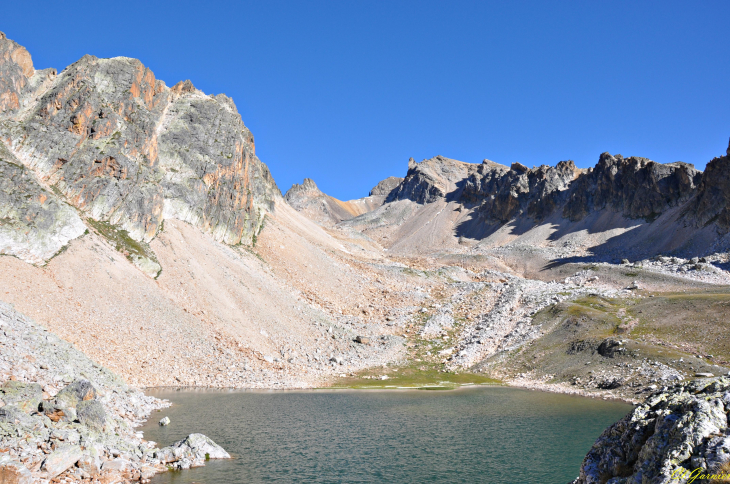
column 385, row 187
column 300, row 194
column 108, row 138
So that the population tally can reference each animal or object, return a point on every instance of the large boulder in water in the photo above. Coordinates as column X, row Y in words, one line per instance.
column 192, row 451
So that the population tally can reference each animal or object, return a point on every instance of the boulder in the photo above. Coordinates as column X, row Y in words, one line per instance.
column 120, row 466
column 194, row 447
column 61, row 459
column 13, row 415
column 92, row 414
column 26, row 396
column 59, row 413
column 78, row 391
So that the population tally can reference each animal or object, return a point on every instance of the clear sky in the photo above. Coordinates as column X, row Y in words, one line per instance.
column 344, row 92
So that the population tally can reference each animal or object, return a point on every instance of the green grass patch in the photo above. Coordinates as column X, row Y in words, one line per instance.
column 122, row 242
column 413, row 377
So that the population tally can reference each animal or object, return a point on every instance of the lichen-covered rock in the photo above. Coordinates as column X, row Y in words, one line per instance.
column 92, row 414
column 672, row 434
column 13, row 415
column 74, row 393
column 26, row 396
column 34, row 223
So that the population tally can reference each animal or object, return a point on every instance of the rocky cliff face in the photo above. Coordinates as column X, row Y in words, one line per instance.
column 109, row 139
column 635, row 187
column 712, row 203
column 675, row 434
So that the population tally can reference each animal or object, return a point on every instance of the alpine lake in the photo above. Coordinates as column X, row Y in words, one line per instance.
column 472, row 434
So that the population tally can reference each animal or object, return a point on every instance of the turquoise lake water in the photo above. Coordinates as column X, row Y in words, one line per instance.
column 485, row 434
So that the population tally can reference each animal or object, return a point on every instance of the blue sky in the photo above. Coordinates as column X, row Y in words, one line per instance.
column 345, row 92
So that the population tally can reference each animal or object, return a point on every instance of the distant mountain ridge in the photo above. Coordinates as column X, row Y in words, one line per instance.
column 328, row 211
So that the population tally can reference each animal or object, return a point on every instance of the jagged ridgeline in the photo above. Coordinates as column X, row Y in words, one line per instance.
column 638, row 188
column 106, row 142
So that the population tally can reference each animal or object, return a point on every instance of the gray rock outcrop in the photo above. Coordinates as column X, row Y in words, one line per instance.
column 385, row 187
column 673, row 434
column 107, row 141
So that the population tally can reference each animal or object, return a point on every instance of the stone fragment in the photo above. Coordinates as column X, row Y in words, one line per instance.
column 117, row 465
column 164, row 421
column 362, row 340
column 61, row 459
column 13, row 472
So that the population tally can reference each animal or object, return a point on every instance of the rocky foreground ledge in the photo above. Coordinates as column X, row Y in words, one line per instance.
column 64, row 418
column 678, row 436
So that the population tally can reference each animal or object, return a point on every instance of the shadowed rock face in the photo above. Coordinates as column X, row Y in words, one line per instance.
column 713, row 200
column 505, row 193
column 636, row 187
column 499, row 192
column 431, row 180
column 117, row 144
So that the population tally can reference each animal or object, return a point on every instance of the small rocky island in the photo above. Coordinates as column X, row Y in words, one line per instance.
column 64, row 416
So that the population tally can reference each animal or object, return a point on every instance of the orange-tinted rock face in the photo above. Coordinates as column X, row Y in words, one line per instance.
column 121, row 146
column 16, row 66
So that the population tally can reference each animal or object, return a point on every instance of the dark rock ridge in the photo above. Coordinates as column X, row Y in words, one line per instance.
column 674, row 434
column 109, row 139
column 635, row 187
